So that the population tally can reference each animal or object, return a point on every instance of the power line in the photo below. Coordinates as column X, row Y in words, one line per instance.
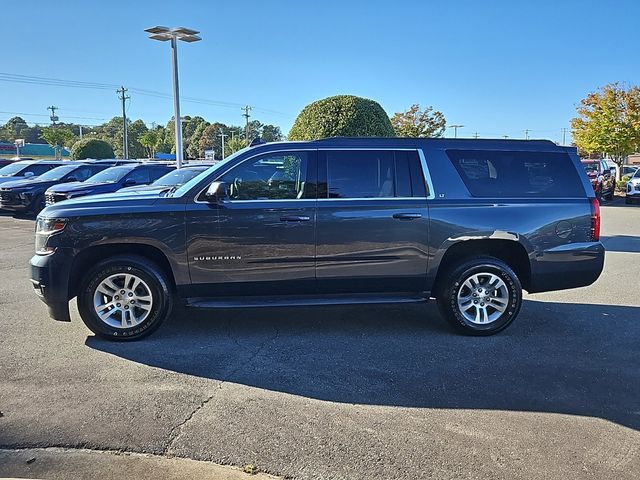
column 246, row 115
column 455, row 129
column 125, row 140
column 57, row 82
column 53, row 116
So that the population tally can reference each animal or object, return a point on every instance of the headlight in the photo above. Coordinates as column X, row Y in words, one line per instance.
column 45, row 228
column 25, row 195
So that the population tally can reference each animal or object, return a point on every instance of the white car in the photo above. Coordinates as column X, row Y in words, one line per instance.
column 633, row 188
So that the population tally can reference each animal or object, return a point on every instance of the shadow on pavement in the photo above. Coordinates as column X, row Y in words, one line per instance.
column 621, row 243
column 558, row 357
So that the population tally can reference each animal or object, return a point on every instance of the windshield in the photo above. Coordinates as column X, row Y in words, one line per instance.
column 110, row 175
column 177, row 177
column 195, row 180
column 57, row 173
column 590, row 167
column 12, row 169
column 637, row 174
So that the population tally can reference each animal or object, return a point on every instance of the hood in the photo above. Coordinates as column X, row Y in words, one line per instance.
column 145, row 188
column 4, row 180
column 26, row 183
column 80, row 186
column 108, row 203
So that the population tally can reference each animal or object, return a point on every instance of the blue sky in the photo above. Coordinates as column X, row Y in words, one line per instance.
column 497, row 67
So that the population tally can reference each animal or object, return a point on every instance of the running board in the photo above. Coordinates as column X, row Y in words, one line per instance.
column 304, row 301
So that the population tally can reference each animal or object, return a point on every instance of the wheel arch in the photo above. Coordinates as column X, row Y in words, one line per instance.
column 90, row 256
column 511, row 252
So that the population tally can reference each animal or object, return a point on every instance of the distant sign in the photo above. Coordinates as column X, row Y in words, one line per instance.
column 210, row 155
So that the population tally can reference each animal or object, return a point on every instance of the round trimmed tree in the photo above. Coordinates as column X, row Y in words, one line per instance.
column 341, row 116
column 91, row 148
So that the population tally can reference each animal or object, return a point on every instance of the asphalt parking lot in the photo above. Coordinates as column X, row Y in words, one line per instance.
column 341, row 392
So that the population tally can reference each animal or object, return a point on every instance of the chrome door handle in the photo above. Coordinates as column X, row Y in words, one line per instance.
column 295, row 218
column 407, row 216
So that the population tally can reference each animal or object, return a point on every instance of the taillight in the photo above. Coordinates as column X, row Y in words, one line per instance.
column 595, row 219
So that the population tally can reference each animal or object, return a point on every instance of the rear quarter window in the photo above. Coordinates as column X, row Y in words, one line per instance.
column 497, row 173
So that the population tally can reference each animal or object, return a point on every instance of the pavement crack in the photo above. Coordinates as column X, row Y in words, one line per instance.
column 176, row 431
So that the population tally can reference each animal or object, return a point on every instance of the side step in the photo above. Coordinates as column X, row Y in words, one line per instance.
column 307, row 300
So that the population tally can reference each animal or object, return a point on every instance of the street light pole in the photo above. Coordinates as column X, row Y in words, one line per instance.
column 222, row 135
column 176, row 103
column 174, row 34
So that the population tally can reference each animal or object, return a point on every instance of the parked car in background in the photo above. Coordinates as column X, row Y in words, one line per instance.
column 26, row 169
column 344, row 220
column 27, row 195
column 4, row 162
column 602, row 178
column 108, row 181
column 629, row 170
column 171, row 180
column 633, row 188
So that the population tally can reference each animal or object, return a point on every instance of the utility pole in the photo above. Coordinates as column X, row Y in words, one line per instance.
column 80, row 131
column 53, row 116
column 476, row 135
column 455, row 129
column 526, row 133
column 246, row 115
column 564, row 135
column 222, row 136
column 125, row 141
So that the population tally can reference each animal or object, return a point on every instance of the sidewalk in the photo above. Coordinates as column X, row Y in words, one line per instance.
column 63, row 463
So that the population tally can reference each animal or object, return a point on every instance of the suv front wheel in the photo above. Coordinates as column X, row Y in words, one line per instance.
column 480, row 296
column 124, row 298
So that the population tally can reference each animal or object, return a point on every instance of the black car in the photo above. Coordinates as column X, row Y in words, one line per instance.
column 374, row 220
column 170, row 180
column 108, row 181
column 23, row 169
column 27, row 195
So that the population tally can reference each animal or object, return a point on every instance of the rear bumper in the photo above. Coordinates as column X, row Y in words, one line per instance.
column 567, row 266
column 50, row 281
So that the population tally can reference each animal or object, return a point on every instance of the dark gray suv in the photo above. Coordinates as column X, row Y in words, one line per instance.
column 343, row 220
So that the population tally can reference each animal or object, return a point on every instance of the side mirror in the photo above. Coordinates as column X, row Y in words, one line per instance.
column 130, row 183
column 216, row 192
column 71, row 179
column 28, row 174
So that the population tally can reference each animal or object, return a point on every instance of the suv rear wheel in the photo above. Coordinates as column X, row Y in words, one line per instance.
column 480, row 296
column 124, row 298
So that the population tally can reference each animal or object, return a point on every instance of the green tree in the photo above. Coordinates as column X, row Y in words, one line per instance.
column 271, row 133
column 91, row 148
column 419, row 123
column 233, row 145
column 608, row 121
column 342, row 115
column 136, row 129
column 150, row 140
column 57, row 137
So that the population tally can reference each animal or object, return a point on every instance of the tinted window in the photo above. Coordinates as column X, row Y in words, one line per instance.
column 274, row 176
column 156, row 173
column 138, row 176
column 373, row 174
column 110, row 175
column 517, row 174
column 82, row 173
column 37, row 169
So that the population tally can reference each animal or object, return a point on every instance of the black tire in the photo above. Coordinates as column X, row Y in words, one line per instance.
column 453, row 282
column 152, row 278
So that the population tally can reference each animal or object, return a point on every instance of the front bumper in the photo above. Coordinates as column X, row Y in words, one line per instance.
column 50, row 281
column 567, row 266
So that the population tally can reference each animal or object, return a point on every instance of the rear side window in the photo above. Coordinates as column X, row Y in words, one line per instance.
column 38, row 168
column 488, row 173
column 373, row 174
column 139, row 176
